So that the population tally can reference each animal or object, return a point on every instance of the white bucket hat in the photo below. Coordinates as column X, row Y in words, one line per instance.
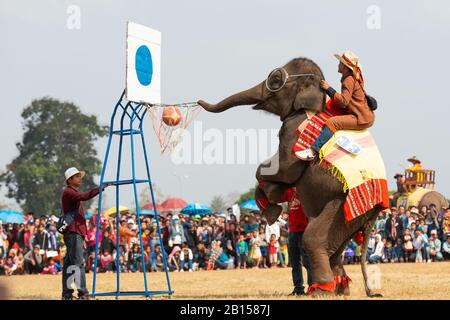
column 73, row 171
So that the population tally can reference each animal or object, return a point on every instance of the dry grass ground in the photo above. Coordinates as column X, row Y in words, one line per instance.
column 398, row 281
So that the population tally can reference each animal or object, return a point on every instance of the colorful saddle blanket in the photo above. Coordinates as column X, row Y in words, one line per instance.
column 363, row 176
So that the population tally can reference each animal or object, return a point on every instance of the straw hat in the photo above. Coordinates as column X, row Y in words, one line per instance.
column 351, row 60
column 414, row 160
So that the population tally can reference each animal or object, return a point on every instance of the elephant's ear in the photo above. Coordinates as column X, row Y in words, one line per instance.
column 310, row 98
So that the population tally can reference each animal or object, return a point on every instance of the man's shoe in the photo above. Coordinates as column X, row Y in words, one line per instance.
column 306, row 155
column 83, row 296
column 67, row 297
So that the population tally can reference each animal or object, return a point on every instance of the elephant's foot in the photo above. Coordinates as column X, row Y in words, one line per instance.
column 272, row 212
column 342, row 285
column 321, row 290
column 375, row 293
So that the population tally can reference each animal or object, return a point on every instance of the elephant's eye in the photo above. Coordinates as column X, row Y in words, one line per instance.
column 275, row 79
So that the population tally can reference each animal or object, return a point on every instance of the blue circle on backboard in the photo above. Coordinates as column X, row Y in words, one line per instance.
column 144, row 65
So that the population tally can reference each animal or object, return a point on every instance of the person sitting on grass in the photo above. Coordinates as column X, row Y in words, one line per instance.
column 186, row 255
column 434, row 247
column 377, row 255
column 33, row 261
column 51, row 268
column 389, row 253
column 19, row 262
column 134, row 259
column 446, row 249
column 106, row 262
column 9, row 266
column 174, row 259
column 156, row 259
column 242, row 251
column 200, row 256
column 217, row 258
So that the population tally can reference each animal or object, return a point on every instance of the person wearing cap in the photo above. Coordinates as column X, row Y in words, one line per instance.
column 76, row 234
column 354, row 112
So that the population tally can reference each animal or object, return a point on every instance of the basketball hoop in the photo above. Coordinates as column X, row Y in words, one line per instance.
column 169, row 136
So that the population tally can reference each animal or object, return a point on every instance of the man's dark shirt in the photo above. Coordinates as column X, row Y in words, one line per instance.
column 71, row 200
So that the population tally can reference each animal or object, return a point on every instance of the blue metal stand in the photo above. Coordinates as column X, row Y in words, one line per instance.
column 133, row 114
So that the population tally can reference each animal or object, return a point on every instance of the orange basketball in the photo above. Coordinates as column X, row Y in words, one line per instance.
column 171, row 116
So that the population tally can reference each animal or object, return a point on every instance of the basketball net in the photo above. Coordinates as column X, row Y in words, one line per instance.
column 170, row 136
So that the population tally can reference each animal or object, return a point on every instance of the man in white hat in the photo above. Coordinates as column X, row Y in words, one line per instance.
column 76, row 233
column 350, row 105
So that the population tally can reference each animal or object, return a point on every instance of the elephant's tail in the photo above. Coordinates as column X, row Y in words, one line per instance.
column 366, row 233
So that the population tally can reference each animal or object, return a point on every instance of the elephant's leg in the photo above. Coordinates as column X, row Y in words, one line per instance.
column 316, row 241
column 274, row 177
column 340, row 276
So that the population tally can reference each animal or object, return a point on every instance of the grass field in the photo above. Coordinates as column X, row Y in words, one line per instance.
column 398, row 281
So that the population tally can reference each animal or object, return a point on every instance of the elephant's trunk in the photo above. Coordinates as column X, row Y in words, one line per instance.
column 247, row 97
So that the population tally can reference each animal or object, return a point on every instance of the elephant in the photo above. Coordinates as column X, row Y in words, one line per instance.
column 289, row 92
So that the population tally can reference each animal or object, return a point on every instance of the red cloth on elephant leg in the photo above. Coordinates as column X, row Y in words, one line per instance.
column 330, row 286
column 342, row 281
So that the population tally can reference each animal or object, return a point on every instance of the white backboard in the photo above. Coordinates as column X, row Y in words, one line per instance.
column 143, row 71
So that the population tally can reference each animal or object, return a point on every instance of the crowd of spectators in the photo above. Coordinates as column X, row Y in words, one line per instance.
column 216, row 241
column 189, row 243
column 406, row 235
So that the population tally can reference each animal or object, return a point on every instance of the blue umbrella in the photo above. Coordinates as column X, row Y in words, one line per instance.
column 8, row 216
column 146, row 212
column 250, row 204
column 196, row 208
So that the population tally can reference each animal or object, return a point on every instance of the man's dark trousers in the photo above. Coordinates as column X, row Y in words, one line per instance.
column 297, row 257
column 74, row 265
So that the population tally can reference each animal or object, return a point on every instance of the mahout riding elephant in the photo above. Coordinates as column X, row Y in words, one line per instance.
column 288, row 92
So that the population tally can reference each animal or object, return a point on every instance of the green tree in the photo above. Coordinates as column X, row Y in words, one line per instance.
column 218, row 204
column 57, row 135
column 249, row 195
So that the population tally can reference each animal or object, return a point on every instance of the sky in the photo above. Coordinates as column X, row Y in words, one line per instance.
column 211, row 49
